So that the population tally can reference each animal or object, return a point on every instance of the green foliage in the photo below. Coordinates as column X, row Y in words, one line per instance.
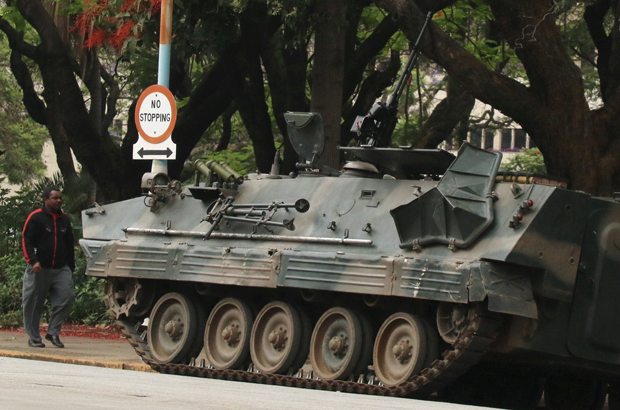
column 12, row 267
column 470, row 22
column 21, row 139
column 241, row 159
column 88, row 306
column 11, row 320
column 578, row 42
column 406, row 133
column 12, row 15
column 14, row 210
column 528, row 160
column 141, row 71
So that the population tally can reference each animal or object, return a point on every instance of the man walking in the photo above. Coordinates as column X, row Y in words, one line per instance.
column 47, row 242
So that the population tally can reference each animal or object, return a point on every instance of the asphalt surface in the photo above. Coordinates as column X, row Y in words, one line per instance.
column 107, row 353
column 30, row 384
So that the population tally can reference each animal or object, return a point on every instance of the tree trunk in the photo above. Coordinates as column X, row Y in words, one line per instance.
column 64, row 159
column 226, row 127
column 211, row 97
column 250, row 95
column 327, row 74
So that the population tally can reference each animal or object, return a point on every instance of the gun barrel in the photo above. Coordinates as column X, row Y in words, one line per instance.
column 238, row 178
column 402, row 81
column 202, row 168
column 230, row 211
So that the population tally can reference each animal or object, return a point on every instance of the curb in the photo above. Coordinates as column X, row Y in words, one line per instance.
column 83, row 362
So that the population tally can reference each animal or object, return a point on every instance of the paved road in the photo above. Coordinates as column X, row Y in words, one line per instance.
column 30, row 384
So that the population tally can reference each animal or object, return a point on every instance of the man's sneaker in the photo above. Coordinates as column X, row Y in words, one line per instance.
column 55, row 340
column 35, row 344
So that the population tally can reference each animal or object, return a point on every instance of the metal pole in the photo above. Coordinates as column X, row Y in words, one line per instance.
column 251, row 236
column 163, row 69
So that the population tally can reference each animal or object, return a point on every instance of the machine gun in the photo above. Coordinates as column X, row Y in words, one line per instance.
column 376, row 128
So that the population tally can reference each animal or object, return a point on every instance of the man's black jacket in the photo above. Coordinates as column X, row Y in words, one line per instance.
column 48, row 239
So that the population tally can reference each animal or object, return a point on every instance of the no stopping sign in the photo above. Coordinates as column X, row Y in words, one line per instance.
column 156, row 114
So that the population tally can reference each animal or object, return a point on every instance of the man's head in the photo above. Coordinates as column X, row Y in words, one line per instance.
column 52, row 199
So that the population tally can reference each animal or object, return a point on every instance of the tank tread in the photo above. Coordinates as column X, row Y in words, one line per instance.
column 137, row 339
column 479, row 333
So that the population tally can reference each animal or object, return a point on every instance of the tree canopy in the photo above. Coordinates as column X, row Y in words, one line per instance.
column 549, row 66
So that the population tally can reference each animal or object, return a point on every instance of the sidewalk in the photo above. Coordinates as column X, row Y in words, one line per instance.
column 112, row 353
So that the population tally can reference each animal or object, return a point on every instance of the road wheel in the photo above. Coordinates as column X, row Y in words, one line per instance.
column 172, row 328
column 400, row 348
column 227, row 334
column 336, row 344
column 276, row 338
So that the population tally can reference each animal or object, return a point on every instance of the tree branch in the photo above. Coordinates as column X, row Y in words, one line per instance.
column 371, row 89
column 92, row 80
column 35, row 13
column 16, row 40
column 456, row 107
column 484, row 84
column 250, row 95
column 433, row 5
column 368, row 50
column 585, row 57
column 34, row 105
column 530, row 28
column 594, row 17
column 210, row 98
column 112, row 97
column 226, row 127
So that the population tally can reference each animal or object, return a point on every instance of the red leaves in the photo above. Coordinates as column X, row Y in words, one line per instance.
column 84, row 22
column 113, row 21
column 128, row 6
column 96, row 38
column 92, row 332
column 155, row 6
column 118, row 38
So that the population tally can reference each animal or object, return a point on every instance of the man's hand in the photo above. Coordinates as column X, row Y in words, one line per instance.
column 36, row 268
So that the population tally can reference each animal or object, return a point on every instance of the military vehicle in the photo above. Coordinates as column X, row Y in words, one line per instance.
column 409, row 273
column 423, row 280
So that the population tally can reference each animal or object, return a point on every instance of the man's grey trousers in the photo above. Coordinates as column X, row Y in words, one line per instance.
column 55, row 283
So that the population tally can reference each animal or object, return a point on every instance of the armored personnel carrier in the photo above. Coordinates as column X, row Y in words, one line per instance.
column 410, row 272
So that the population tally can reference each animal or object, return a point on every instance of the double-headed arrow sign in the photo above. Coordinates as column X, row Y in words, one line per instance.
column 157, row 152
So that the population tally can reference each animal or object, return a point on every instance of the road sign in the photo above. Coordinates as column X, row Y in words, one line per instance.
column 163, row 150
column 155, row 115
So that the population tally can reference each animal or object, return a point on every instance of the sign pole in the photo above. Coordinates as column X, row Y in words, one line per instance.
column 163, row 69
column 156, row 109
